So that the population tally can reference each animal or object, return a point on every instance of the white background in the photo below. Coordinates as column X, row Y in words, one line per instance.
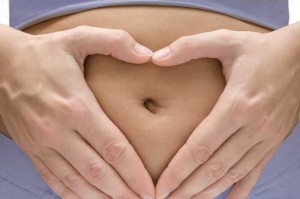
column 294, row 6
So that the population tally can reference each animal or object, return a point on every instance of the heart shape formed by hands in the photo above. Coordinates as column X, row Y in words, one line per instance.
column 156, row 108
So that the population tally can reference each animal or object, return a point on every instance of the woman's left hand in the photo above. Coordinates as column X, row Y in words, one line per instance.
column 258, row 108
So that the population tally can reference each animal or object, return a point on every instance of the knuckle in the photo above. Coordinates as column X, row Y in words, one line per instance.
column 125, row 195
column 203, row 196
column 226, row 35
column 216, row 170
column 246, row 103
column 44, row 127
column 113, row 152
column 258, row 170
column 236, row 175
column 187, row 42
column 81, row 29
column 45, row 176
column 46, row 134
column 71, row 180
column 262, row 130
column 243, row 106
column 119, row 35
column 72, row 108
column 77, row 32
column 65, row 193
column 200, row 153
column 176, row 178
column 185, row 196
column 95, row 173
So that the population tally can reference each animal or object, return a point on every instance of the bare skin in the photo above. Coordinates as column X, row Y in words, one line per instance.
column 122, row 88
column 156, row 108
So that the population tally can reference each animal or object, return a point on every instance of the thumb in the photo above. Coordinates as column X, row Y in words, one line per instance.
column 216, row 44
column 86, row 40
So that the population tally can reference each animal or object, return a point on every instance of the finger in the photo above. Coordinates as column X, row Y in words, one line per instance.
column 243, row 188
column 237, row 172
column 91, row 167
column 115, row 42
column 61, row 168
column 215, row 44
column 219, row 164
column 115, row 149
column 215, row 129
column 51, row 180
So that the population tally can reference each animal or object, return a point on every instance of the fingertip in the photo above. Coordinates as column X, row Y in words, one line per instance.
column 145, row 196
column 161, row 57
column 142, row 50
column 161, row 54
column 162, row 191
column 141, row 54
column 240, row 190
column 147, row 190
column 138, row 54
column 164, row 195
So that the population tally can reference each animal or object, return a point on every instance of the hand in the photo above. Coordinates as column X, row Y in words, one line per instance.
column 257, row 110
column 52, row 115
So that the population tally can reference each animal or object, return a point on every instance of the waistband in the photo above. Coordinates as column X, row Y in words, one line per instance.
column 268, row 13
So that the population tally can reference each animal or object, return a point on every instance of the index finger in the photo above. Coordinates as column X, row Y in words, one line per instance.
column 87, row 40
column 215, row 44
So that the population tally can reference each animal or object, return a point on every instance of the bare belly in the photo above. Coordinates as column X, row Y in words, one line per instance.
column 156, row 108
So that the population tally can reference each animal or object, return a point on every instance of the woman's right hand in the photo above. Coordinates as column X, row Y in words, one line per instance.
column 52, row 115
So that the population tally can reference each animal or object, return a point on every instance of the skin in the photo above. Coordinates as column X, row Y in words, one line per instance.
column 256, row 111
column 203, row 78
column 155, row 136
column 54, row 138
column 98, row 68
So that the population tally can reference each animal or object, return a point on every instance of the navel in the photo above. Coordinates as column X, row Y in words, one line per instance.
column 151, row 105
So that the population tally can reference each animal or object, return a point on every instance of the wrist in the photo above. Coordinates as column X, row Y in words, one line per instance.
column 295, row 35
column 10, row 39
column 291, row 36
column 295, row 40
column 287, row 41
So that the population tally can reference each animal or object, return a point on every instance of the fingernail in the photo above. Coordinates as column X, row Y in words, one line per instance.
column 164, row 195
column 145, row 196
column 142, row 49
column 163, row 53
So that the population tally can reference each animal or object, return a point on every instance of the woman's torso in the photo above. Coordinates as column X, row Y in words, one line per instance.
column 156, row 108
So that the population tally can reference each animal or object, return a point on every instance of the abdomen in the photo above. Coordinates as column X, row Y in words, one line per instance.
column 156, row 108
